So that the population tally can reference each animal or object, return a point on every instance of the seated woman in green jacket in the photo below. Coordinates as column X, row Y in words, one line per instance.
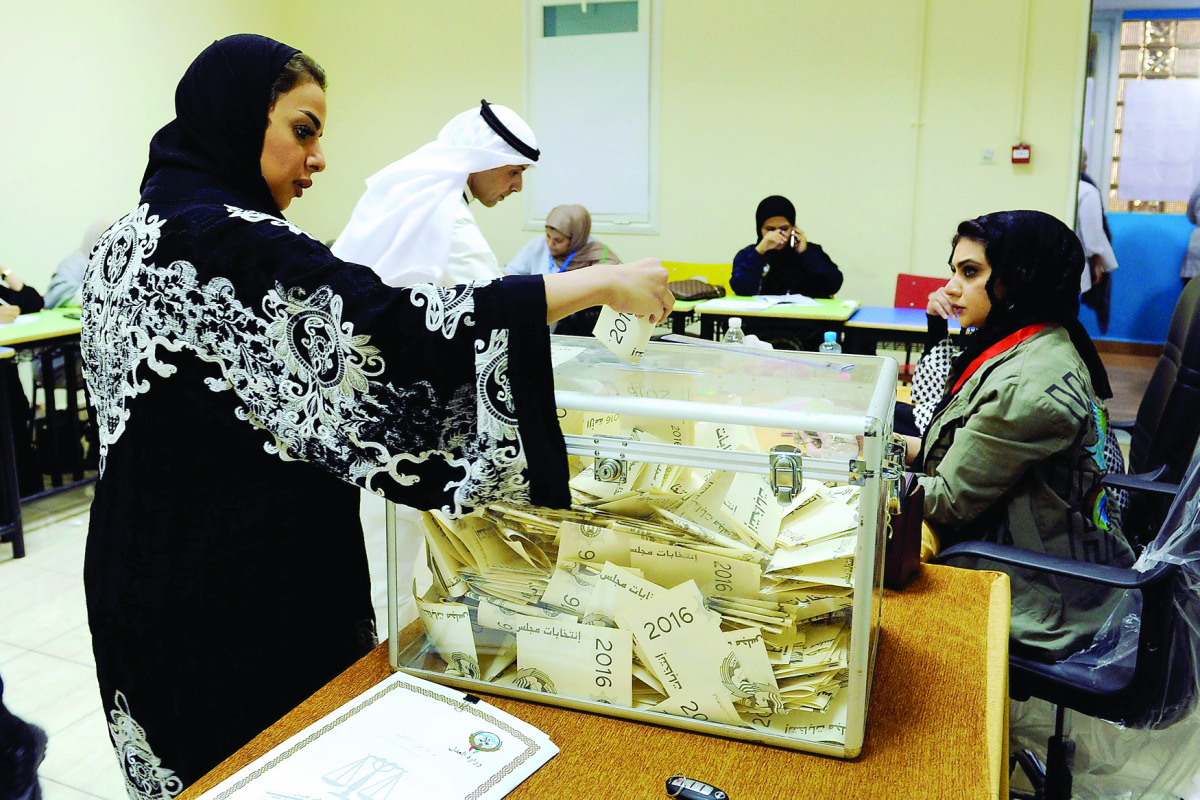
column 1014, row 452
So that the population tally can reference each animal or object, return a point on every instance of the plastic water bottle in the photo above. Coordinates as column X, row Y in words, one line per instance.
column 733, row 334
column 830, row 345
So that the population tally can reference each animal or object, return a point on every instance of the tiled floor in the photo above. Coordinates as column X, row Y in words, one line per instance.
column 46, row 651
column 46, row 654
column 45, row 647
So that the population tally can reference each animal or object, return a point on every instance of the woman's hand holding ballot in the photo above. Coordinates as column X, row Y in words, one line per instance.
column 639, row 288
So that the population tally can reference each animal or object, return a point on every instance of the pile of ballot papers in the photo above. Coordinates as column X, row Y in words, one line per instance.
column 687, row 591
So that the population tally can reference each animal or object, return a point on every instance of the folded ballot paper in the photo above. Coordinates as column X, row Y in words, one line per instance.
column 406, row 737
column 624, row 334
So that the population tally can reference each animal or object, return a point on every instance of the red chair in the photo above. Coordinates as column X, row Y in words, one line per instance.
column 912, row 291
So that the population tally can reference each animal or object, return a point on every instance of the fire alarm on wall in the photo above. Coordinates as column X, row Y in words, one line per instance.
column 1021, row 153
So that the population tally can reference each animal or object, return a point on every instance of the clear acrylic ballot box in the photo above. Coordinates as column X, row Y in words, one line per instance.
column 720, row 568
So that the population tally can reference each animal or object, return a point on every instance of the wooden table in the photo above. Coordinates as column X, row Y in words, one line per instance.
column 937, row 723
column 47, row 333
column 871, row 325
column 826, row 314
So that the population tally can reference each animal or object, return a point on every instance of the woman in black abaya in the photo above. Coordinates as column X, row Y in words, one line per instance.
column 248, row 385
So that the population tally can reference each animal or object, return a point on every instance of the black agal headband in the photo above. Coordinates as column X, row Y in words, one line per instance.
column 504, row 133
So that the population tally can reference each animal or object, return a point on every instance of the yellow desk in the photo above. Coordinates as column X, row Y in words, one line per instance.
column 937, row 722
column 44, row 327
column 832, row 314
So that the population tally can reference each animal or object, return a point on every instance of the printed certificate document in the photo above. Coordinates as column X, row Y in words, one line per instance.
column 404, row 738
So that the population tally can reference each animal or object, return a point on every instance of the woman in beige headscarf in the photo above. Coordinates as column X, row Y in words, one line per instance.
column 566, row 246
column 568, row 238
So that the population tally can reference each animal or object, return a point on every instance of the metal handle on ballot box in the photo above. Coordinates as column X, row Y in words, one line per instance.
column 893, row 471
column 787, row 472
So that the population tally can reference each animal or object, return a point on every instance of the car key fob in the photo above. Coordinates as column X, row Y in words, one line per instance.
column 692, row 789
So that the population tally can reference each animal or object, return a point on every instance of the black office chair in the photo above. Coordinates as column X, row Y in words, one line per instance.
column 1167, row 427
column 1143, row 677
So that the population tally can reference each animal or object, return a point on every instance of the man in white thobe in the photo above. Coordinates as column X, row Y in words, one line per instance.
column 414, row 223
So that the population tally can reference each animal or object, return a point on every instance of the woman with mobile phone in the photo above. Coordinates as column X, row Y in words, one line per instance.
column 783, row 260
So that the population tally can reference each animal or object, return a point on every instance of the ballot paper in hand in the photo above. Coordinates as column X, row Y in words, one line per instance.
column 406, row 737
column 624, row 334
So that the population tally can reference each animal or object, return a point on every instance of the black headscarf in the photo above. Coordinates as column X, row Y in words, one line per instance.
column 221, row 108
column 773, row 206
column 1036, row 264
column 776, row 206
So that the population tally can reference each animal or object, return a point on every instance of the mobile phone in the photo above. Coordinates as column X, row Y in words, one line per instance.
column 792, row 240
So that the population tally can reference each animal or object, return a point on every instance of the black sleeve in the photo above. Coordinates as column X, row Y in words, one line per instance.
column 435, row 397
column 533, row 389
column 937, row 328
column 748, row 267
column 821, row 277
column 28, row 299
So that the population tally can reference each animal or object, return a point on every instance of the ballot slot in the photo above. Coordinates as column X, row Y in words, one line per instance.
column 682, row 586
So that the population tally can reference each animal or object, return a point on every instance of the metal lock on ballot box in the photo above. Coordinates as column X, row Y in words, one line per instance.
column 720, row 568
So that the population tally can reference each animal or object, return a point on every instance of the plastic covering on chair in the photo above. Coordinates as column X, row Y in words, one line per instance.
column 1151, row 749
column 1175, row 717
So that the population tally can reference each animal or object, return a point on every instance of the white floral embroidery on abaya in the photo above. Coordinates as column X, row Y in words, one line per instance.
column 145, row 776
column 258, row 216
column 299, row 371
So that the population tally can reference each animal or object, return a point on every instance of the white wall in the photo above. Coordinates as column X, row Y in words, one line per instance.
column 86, row 85
column 815, row 100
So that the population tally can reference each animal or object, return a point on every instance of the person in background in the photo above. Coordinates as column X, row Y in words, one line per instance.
column 22, row 748
column 1091, row 226
column 248, row 385
column 65, row 291
column 1013, row 452
column 783, row 260
column 567, row 245
column 67, row 280
column 1190, row 267
column 16, row 298
column 414, row 223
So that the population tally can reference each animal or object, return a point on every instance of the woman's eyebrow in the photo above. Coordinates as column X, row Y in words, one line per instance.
column 315, row 121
